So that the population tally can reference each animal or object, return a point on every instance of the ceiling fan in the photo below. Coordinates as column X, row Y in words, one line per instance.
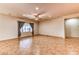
column 41, row 15
column 35, row 16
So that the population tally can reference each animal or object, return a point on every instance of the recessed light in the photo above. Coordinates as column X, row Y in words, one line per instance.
column 37, row 8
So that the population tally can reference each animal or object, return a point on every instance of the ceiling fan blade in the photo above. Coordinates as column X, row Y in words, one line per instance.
column 39, row 14
column 30, row 16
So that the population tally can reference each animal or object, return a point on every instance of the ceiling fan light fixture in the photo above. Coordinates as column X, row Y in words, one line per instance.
column 39, row 16
column 36, row 18
column 35, row 14
column 24, row 15
column 49, row 16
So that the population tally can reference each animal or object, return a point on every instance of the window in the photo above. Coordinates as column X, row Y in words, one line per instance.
column 26, row 28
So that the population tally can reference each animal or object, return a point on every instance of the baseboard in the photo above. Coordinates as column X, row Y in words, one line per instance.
column 29, row 36
column 50, row 36
column 18, row 38
column 73, row 37
column 9, row 39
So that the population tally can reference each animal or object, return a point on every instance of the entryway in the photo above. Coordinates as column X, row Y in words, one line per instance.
column 72, row 28
column 25, row 29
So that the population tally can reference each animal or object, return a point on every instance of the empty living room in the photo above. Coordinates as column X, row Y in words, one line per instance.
column 39, row 28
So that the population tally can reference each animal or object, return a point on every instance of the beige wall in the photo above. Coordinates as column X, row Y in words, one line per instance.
column 8, row 27
column 54, row 27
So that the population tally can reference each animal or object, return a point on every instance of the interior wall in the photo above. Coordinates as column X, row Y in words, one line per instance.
column 54, row 27
column 9, row 27
column 72, row 27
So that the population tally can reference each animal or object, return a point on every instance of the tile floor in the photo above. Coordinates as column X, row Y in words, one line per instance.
column 40, row 45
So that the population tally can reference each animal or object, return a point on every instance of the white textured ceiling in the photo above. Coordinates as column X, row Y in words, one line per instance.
column 53, row 9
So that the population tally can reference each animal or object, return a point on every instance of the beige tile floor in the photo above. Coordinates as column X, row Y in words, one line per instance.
column 40, row 45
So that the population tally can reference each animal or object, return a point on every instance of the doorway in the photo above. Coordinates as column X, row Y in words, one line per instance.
column 25, row 29
column 71, row 27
